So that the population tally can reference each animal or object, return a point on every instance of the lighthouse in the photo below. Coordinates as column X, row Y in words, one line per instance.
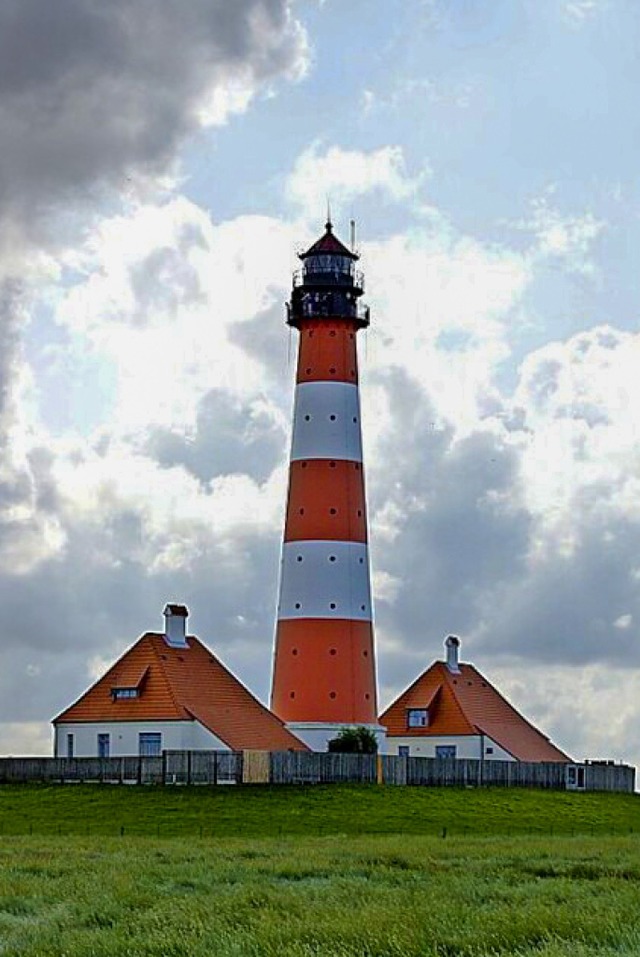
column 324, row 673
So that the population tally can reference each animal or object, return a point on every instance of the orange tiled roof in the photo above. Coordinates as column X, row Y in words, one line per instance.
column 467, row 703
column 179, row 684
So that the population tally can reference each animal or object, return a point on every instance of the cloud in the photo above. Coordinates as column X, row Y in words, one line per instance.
column 568, row 238
column 342, row 175
column 97, row 95
column 578, row 12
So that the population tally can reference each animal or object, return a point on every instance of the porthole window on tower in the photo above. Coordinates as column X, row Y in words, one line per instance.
column 299, row 558
column 307, row 418
column 332, row 465
column 332, row 558
column 332, row 651
column 332, row 694
column 332, row 604
column 333, row 511
column 333, row 333
column 333, row 418
column 332, row 370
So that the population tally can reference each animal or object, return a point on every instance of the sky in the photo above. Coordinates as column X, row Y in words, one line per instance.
column 161, row 164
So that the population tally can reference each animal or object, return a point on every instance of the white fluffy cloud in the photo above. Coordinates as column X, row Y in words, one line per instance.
column 339, row 175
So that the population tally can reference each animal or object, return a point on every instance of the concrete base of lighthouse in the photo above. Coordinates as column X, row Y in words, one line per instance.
column 317, row 735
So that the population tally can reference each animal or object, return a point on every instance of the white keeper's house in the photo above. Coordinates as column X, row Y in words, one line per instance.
column 168, row 691
column 452, row 711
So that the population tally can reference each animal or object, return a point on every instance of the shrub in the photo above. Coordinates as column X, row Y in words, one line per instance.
column 354, row 741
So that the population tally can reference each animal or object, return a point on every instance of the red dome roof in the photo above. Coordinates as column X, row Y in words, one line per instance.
column 328, row 243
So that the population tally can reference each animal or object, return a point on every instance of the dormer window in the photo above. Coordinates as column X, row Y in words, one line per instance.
column 417, row 717
column 119, row 693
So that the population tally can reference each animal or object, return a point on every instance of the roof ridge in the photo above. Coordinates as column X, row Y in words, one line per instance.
column 409, row 688
column 168, row 684
column 94, row 684
column 448, row 681
column 235, row 678
column 515, row 711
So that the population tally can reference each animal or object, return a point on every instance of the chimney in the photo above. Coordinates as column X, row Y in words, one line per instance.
column 452, row 644
column 175, row 625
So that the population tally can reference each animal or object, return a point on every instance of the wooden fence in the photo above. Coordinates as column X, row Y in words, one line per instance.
column 297, row 767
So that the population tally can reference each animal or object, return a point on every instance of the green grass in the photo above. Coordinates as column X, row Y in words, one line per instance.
column 261, row 811
column 380, row 896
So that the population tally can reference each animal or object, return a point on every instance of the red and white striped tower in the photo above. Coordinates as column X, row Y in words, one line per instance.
column 324, row 675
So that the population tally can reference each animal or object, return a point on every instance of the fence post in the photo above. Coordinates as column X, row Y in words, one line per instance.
column 189, row 760
column 164, row 767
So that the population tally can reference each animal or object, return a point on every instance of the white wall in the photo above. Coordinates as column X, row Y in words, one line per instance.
column 317, row 736
column 176, row 735
column 467, row 746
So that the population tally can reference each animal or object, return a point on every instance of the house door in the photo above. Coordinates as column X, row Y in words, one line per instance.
column 103, row 745
column 575, row 777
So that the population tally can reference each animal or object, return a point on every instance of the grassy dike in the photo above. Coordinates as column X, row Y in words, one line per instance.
column 260, row 811
column 389, row 896
column 317, row 872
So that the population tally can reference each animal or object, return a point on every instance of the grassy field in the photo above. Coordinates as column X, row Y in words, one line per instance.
column 261, row 811
column 361, row 896
column 327, row 871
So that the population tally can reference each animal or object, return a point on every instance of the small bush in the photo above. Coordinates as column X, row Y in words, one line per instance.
column 354, row 741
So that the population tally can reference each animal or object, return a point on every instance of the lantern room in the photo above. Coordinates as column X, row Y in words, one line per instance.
column 328, row 285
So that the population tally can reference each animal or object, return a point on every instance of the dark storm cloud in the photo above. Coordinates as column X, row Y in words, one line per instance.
column 566, row 608
column 457, row 536
column 232, row 435
column 266, row 340
column 92, row 92
column 464, row 558
column 163, row 282
column 15, row 483
column 98, row 595
column 97, row 95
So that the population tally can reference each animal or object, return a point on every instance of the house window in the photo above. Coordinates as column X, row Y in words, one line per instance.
column 403, row 750
column 150, row 744
column 103, row 745
column 117, row 693
column 417, row 718
column 444, row 751
column 488, row 750
column 69, row 745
